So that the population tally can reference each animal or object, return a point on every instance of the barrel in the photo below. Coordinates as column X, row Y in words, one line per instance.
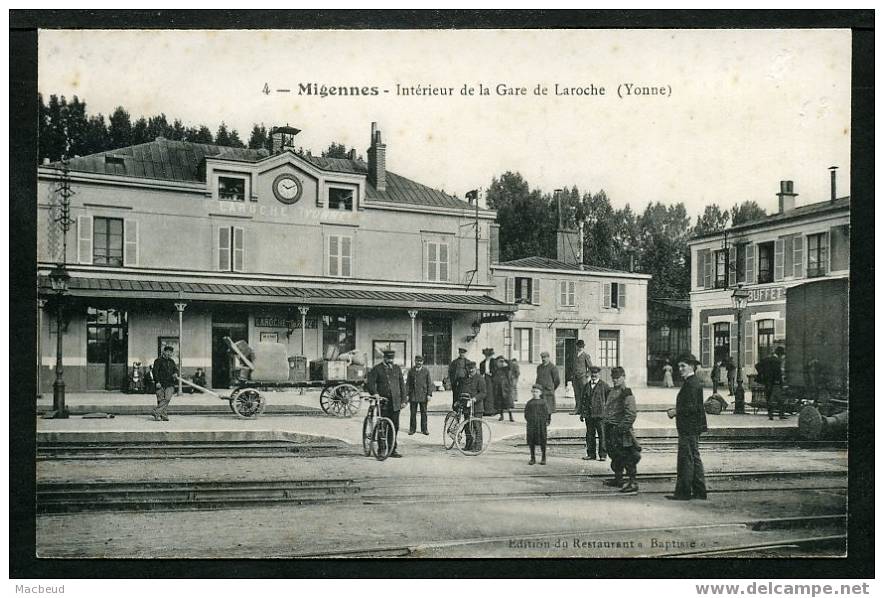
column 812, row 425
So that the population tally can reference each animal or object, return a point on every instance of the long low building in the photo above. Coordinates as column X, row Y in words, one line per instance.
column 321, row 254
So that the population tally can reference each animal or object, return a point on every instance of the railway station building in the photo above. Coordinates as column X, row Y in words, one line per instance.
column 766, row 257
column 325, row 255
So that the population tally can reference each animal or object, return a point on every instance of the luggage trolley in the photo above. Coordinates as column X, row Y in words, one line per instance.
column 268, row 366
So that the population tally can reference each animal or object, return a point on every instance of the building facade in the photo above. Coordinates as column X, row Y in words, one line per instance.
column 324, row 255
column 560, row 302
column 765, row 257
column 669, row 335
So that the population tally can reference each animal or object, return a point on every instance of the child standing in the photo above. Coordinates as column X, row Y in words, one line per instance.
column 538, row 418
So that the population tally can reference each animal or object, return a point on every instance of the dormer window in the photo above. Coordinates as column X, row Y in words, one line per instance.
column 232, row 188
column 340, row 199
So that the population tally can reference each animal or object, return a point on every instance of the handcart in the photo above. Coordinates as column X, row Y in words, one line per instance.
column 267, row 366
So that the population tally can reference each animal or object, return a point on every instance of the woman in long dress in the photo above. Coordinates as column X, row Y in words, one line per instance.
column 514, row 380
column 667, row 375
column 503, row 398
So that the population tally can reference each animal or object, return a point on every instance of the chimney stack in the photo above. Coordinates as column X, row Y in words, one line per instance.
column 832, row 169
column 787, row 197
column 283, row 138
column 377, row 160
column 351, row 155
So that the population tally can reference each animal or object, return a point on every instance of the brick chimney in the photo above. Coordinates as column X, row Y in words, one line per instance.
column 832, row 169
column 787, row 197
column 377, row 160
column 494, row 243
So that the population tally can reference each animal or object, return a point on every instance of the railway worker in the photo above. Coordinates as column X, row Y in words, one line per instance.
column 457, row 373
column 592, row 411
column 690, row 421
column 474, row 387
column 385, row 379
column 620, row 413
column 548, row 379
column 770, row 374
column 419, row 389
column 165, row 371
column 580, row 373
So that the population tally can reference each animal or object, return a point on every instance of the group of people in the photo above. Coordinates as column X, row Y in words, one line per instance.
column 500, row 382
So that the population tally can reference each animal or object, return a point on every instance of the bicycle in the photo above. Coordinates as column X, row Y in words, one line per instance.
column 378, row 433
column 471, row 435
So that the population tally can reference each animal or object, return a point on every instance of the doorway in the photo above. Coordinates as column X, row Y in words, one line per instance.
column 237, row 328
column 566, row 350
column 107, row 348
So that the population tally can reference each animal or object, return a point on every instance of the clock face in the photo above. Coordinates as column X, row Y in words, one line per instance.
column 287, row 188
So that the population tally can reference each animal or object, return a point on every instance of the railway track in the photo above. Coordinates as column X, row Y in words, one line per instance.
column 72, row 497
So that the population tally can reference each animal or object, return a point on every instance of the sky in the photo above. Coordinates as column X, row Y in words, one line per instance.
column 739, row 111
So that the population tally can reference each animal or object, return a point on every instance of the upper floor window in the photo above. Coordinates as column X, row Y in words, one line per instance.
column 567, row 293
column 614, row 295
column 817, row 254
column 766, row 262
column 232, row 188
column 107, row 241
column 231, row 248
column 524, row 287
column 437, row 261
column 339, row 255
column 721, row 265
column 340, row 199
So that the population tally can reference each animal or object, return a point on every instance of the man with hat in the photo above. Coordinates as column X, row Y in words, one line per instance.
column 548, row 379
column 474, row 386
column 165, row 372
column 620, row 413
column 418, row 388
column 770, row 374
column 592, row 411
column 385, row 379
column 582, row 365
column 690, row 421
column 457, row 372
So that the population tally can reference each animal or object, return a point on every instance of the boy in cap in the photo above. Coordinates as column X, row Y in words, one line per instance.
column 418, row 388
column 385, row 379
column 538, row 417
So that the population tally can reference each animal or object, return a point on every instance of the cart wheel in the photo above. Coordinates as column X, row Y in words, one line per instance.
column 326, row 399
column 449, row 429
column 348, row 400
column 473, row 437
column 383, row 439
column 248, row 403
column 233, row 399
column 366, row 435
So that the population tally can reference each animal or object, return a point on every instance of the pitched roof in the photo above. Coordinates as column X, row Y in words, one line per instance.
column 182, row 160
column 548, row 264
column 805, row 211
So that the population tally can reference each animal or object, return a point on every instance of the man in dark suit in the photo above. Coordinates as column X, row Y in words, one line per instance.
column 385, row 379
column 548, row 378
column 419, row 388
column 690, row 421
column 592, row 411
column 457, row 373
column 580, row 373
column 770, row 374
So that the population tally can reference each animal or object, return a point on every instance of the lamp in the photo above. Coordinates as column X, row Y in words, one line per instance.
column 740, row 299
column 59, row 279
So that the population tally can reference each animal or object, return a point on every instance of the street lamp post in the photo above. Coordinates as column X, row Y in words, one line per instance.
column 59, row 278
column 180, row 306
column 740, row 298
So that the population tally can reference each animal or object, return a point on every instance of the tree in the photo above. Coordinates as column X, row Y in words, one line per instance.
column 120, row 129
column 177, row 132
column 96, row 137
column 663, row 249
column 222, row 137
column 157, row 126
column 200, row 134
column 75, row 126
column 139, row 132
column 527, row 219
column 235, row 141
column 713, row 220
column 746, row 212
column 258, row 138
column 53, row 142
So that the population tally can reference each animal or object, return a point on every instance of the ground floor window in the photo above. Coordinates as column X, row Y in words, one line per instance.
column 522, row 344
column 338, row 335
column 609, row 348
column 765, row 338
column 436, row 341
column 722, row 340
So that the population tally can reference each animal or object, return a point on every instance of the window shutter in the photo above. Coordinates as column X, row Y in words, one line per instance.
column 824, row 253
column 509, row 290
column 572, row 293
column 778, row 259
column 704, row 345
column 733, row 341
column 130, row 242
column 708, row 283
column 788, row 255
column 621, row 295
column 606, row 294
column 732, row 266
column 432, row 271
column 563, row 293
column 701, row 268
column 840, row 236
column 750, row 263
column 443, row 262
column 346, row 256
column 333, row 255
column 779, row 329
column 748, row 348
column 84, row 239
column 798, row 256
column 239, row 249
column 535, row 345
column 224, row 261
column 535, row 291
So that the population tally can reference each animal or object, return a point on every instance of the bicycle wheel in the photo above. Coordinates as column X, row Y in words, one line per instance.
column 383, row 439
column 449, row 429
column 473, row 437
column 367, row 425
